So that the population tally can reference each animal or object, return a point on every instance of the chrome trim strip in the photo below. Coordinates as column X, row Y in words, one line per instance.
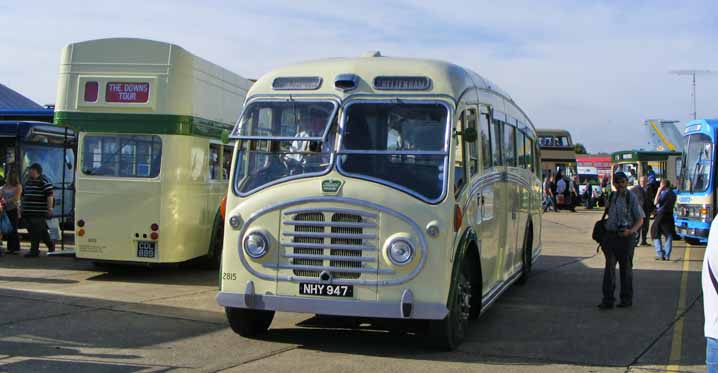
column 447, row 141
column 330, row 235
column 394, row 152
column 335, row 224
column 499, row 289
column 336, row 246
column 327, row 268
column 333, row 210
column 330, row 257
column 328, row 306
column 423, row 245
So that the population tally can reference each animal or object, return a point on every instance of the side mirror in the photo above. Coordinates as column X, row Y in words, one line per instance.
column 470, row 134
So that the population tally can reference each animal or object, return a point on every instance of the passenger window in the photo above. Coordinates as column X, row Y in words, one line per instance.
column 496, row 142
column 214, row 171
column 459, row 169
column 521, row 148
column 471, row 147
column 485, row 141
column 226, row 161
column 509, row 145
column 529, row 146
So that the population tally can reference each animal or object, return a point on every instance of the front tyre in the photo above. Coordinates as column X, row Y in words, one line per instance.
column 249, row 323
column 447, row 334
column 526, row 257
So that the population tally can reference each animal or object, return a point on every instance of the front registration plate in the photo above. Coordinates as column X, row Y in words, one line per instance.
column 146, row 249
column 326, row 290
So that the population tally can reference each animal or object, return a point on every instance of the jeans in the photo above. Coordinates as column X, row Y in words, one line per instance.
column 37, row 227
column 663, row 251
column 711, row 355
column 13, row 240
column 618, row 250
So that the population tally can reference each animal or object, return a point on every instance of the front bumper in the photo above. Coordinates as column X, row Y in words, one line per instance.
column 406, row 308
column 693, row 229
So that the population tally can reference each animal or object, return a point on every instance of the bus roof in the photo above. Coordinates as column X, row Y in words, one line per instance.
column 706, row 126
column 444, row 79
column 552, row 132
column 641, row 155
column 22, row 129
column 165, row 88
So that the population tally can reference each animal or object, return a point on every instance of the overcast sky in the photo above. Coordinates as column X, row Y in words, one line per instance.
column 596, row 69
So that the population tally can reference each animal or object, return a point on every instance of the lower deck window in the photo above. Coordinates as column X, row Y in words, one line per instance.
column 122, row 155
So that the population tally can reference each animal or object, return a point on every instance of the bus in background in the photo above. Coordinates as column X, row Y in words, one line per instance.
column 558, row 153
column 151, row 119
column 588, row 177
column 379, row 187
column 601, row 162
column 31, row 137
column 696, row 205
column 654, row 165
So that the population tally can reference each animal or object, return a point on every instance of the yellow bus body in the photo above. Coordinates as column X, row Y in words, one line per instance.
column 191, row 104
column 557, row 157
column 500, row 205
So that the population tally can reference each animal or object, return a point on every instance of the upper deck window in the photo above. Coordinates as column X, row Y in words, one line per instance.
column 402, row 145
column 555, row 142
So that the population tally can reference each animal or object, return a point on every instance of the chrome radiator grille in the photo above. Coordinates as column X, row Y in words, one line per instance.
column 341, row 242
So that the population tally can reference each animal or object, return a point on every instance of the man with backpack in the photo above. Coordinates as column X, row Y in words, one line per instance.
column 625, row 218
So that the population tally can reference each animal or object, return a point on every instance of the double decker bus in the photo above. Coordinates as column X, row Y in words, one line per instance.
column 379, row 187
column 152, row 163
column 696, row 204
column 558, row 153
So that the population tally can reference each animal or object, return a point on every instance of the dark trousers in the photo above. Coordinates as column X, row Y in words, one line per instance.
column 644, row 228
column 37, row 227
column 618, row 250
column 13, row 240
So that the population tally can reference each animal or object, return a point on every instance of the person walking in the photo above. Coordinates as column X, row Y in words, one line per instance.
column 549, row 188
column 642, row 193
column 709, row 282
column 663, row 223
column 11, row 192
column 36, row 208
column 625, row 217
column 560, row 193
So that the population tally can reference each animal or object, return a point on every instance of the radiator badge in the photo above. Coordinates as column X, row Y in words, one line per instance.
column 331, row 185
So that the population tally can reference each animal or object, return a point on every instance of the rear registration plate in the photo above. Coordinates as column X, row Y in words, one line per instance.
column 326, row 290
column 146, row 249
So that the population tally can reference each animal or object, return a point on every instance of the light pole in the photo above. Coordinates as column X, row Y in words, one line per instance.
column 692, row 74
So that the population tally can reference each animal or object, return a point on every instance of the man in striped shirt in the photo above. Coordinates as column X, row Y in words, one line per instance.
column 36, row 208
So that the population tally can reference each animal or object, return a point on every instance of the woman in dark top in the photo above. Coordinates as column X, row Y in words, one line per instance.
column 663, row 223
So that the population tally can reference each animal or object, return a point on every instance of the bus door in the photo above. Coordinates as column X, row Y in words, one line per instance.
column 488, row 219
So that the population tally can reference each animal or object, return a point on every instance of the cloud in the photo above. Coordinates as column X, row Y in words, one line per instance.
column 596, row 68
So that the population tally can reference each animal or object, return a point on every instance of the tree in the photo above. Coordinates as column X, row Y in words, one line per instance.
column 580, row 149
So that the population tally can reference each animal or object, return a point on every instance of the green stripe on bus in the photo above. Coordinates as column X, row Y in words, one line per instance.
column 161, row 124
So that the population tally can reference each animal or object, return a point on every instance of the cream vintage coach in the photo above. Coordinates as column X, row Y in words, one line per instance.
column 378, row 187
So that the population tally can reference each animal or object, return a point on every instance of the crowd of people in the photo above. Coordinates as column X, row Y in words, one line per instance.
column 561, row 192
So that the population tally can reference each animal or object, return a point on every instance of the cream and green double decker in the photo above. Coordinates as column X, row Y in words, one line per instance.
column 152, row 166
column 378, row 188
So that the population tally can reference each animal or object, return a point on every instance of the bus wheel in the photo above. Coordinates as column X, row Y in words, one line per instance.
column 527, row 257
column 214, row 257
column 447, row 334
column 249, row 323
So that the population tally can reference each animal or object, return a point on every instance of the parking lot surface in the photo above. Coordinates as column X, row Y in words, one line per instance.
column 63, row 315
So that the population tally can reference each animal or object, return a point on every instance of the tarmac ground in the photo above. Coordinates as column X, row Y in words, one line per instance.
column 59, row 314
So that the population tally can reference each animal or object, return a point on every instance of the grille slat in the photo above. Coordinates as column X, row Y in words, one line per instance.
column 332, row 240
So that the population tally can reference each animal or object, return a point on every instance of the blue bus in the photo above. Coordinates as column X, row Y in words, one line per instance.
column 29, row 136
column 696, row 204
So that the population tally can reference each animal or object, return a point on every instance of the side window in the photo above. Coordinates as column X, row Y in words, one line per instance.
column 214, row 166
column 226, row 160
column 496, row 142
column 509, row 145
column 529, row 149
column 521, row 148
column 472, row 147
column 459, row 169
column 485, row 141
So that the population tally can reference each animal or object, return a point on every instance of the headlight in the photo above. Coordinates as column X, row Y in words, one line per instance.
column 400, row 252
column 256, row 245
